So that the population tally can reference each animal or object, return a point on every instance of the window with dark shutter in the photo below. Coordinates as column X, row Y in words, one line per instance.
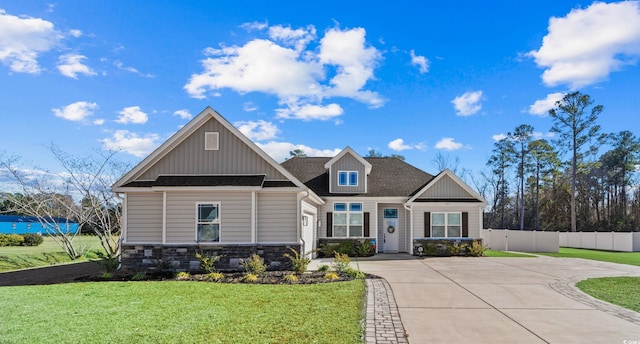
column 329, row 224
column 465, row 224
column 366, row 225
column 427, row 224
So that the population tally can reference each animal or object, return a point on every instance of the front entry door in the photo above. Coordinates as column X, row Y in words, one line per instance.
column 390, row 228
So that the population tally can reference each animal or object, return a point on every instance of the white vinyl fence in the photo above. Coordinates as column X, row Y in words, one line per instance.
column 521, row 241
column 609, row 241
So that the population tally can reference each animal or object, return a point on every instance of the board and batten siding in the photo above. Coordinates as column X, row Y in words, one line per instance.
column 277, row 219
column 144, row 217
column 190, row 157
column 446, row 188
column 348, row 163
column 475, row 216
column 235, row 216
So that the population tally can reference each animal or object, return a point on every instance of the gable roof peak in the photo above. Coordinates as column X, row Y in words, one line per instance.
column 349, row 150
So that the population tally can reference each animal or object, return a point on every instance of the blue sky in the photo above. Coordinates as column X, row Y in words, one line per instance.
column 405, row 77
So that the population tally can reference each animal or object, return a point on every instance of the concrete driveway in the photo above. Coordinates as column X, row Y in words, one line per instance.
column 503, row 300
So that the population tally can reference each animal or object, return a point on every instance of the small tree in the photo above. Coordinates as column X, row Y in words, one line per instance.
column 81, row 193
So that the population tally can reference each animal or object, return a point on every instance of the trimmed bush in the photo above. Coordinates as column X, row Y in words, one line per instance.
column 32, row 239
column 11, row 240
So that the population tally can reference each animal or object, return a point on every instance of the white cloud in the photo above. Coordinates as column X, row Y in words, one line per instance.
column 184, row 114
column 420, row 61
column 307, row 112
column 399, row 145
column 99, row 121
column 249, row 107
column 76, row 112
column 541, row 107
column 298, row 38
column 538, row 135
column 279, row 151
column 131, row 143
column 586, row 45
column 129, row 69
column 448, row 143
column 71, row 65
column 499, row 137
column 300, row 77
column 255, row 26
column 468, row 103
column 22, row 39
column 257, row 130
column 132, row 114
column 75, row 33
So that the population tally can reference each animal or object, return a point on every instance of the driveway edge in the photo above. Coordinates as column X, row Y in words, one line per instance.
column 383, row 323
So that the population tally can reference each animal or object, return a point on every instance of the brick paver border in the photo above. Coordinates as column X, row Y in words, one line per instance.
column 383, row 324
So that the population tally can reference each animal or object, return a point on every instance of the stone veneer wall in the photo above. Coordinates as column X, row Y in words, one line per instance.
column 183, row 257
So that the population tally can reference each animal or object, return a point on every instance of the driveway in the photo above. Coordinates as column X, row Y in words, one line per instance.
column 503, row 300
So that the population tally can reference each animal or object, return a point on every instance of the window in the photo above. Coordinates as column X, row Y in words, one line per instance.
column 348, row 220
column 208, row 222
column 347, row 178
column 446, row 225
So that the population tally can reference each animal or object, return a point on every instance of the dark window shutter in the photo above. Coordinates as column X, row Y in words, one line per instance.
column 427, row 224
column 465, row 225
column 366, row 225
column 329, row 224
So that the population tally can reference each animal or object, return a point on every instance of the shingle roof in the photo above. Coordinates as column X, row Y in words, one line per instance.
column 388, row 177
column 202, row 180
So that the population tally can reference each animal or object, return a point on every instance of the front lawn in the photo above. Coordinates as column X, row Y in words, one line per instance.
column 495, row 253
column 621, row 291
column 182, row 312
column 48, row 253
column 630, row 258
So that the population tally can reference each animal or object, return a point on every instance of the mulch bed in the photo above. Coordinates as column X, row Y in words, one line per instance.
column 268, row 277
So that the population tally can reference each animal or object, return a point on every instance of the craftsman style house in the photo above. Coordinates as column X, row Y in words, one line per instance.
column 209, row 188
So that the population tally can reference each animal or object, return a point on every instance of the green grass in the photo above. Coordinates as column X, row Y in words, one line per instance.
column 621, row 291
column 182, row 312
column 495, row 253
column 629, row 258
column 48, row 253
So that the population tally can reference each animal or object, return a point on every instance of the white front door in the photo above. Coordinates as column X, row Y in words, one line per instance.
column 390, row 228
column 307, row 233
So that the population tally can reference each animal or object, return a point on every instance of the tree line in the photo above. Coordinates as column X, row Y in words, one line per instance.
column 581, row 180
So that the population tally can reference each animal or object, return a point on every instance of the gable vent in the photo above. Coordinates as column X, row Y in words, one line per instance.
column 211, row 141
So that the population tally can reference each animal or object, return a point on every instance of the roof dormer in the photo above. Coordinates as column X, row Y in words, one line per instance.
column 348, row 172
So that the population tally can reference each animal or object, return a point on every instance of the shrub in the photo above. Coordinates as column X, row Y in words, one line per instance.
column 364, row 249
column 353, row 273
column 476, row 249
column 290, row 278
column 139, row 276
column 323, row 268
column 207, row 263
column 331, row 276
column 250, row 278
column 183, row 276
column 109, row 263
column 254, row 265
column 299, row 263
column 107, row 275
column 215, row 276
column 32, row 239
column 341, row 262
column 11, row 240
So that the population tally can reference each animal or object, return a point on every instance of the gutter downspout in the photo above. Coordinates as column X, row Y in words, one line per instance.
column 124, row 227
column 410, row 210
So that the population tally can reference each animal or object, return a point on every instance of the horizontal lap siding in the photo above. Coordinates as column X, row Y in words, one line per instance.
column 235, row 215
column 475, row 218
column 277, row 217
column 144, row 217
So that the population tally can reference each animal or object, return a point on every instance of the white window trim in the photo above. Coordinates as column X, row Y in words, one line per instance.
column 348, row 172
column 348, row 213
column 446, row 223
column 218, row 221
